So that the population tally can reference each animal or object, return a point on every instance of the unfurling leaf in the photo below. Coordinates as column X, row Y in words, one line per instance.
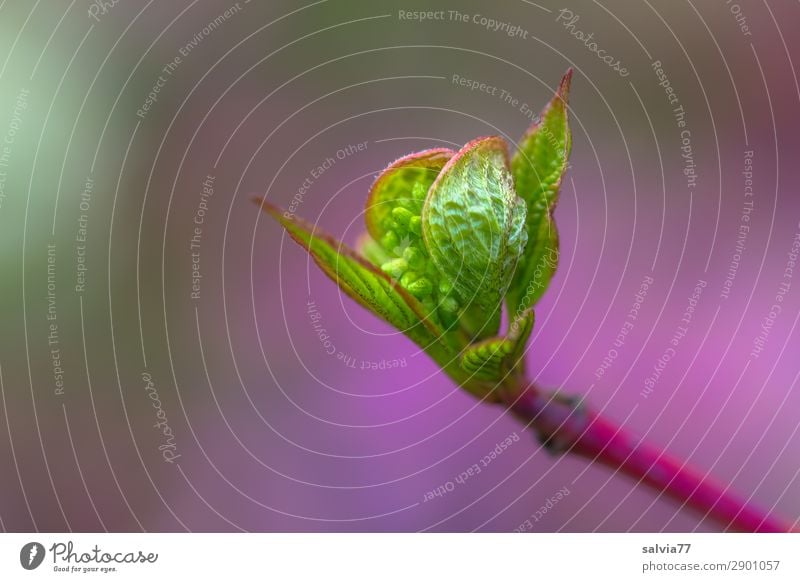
column 538, row 167
column 492, row 359
column 473, row 224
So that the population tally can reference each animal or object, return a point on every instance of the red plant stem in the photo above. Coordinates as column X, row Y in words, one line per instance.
column 565, row 425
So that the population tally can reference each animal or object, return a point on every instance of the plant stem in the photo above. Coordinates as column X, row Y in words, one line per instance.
column 563, row 424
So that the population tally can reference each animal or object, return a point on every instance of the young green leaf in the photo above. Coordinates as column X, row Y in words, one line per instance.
column 538, row 167
column 473, row 225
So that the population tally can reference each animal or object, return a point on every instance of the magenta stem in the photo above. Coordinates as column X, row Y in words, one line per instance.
column 564, row 425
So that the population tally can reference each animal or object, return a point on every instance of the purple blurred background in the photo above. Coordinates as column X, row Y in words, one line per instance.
column 269, row 431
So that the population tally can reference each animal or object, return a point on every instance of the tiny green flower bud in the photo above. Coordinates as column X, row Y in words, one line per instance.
column 395, row 267
column 389, row 223
column 415, row 257
column 448, row 311
column 415, row 225
column 390, row 240
column 408, row 278
column 422, row 287
column 449, row 304
column 402, row 216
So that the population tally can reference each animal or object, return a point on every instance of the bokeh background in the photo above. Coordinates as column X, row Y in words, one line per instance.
column 268, row 431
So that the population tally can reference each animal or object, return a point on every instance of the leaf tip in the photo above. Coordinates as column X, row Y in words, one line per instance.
column 275, row 211
column 267, row 207
column 564, row 85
